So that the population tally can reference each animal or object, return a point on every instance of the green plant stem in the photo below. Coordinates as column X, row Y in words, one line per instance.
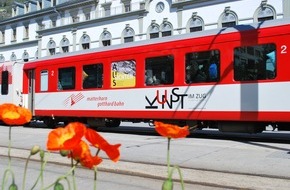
column 9, row 147
column 9, row 160
column 95, row 177
column 168, row 157
column 180, row 176
column 5, row 177
column 40, row 176
column 73, row 174
column 61, row 178
column 25, row 170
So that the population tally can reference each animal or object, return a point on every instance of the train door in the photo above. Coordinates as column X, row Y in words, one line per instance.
column 31, row 90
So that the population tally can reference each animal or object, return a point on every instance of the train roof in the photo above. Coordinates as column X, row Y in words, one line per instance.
column 212, row 32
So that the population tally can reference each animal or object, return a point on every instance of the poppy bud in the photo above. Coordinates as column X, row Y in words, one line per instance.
column 64, row 153
column 58, row 186
column 41, row 154
column 13, row 186
column 34, row 150
column 167, row 184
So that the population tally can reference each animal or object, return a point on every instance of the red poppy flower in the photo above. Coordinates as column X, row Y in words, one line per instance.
column 82, row 153
column 14, row 115
column 171, row 131
column 98, row 141
column 66, row 138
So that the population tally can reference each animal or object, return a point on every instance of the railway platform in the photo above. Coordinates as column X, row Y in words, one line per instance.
column 219, row 164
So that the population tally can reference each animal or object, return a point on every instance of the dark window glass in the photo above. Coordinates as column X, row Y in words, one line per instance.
column 106, row 42
column 93, row 76
column 159, row 70
column 202, row 66
column 265, row 18
column 154, row 35
column 66, row 78
column 166, row 33
column 128, row 39
column 195, row 29
column 4, row 85
column 255, row 62
column 229, row 24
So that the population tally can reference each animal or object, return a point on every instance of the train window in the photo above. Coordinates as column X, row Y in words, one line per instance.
column 202, row 66
column 44, row 80
column 255, row 62
column 93, row 76
column 66, row 78
column 159, row 70
column 4, row 83
column 123, row 74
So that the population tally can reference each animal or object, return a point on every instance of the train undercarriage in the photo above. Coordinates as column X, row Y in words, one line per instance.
column 223, row 126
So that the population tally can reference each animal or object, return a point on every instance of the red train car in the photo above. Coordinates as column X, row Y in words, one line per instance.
column 235, row 79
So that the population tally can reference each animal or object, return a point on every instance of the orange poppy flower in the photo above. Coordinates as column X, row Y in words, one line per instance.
column 66, row 138
column 98, row 141
column 82, row 153
column 171, row 131
column 6, row 107
column 14, row 115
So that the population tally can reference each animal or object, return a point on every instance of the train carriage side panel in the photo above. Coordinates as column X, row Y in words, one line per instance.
column 11, row 83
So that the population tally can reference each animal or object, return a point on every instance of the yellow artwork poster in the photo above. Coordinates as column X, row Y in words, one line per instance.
column 123, row 74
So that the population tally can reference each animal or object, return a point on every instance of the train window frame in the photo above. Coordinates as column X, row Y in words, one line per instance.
column 4, row 83
column 202, row 66
column 259, row 64
column 92, row 71
column 159, row 70
column 70, row 73
column 44, row 80
column 123, row 74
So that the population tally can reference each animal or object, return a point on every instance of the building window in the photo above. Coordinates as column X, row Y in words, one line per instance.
column 127, row 8
column 66, row 78
column 93, row 76
column 202, row 66
column 2, row 37
column 228, row 18
column 128, row 34
column 85, row 41
column 2, row 58
column 53, row 23
column 106, row 38
column 25, row 56
column 14, row 37
column 195, row 23
column 264, row 12
column 159, row 70
column 154, row 31
column 166, row 28
column 87, row 16
column 13, row 57
column 51, row 47
column 64, row 44
column 75, row 19
column 255, row 62
column 26, row 32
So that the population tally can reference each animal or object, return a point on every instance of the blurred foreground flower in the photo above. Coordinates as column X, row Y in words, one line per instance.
column 73, row 141
column 171, row 131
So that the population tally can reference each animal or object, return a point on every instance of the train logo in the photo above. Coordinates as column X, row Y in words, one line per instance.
column 163, row 100
column 73, row 99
